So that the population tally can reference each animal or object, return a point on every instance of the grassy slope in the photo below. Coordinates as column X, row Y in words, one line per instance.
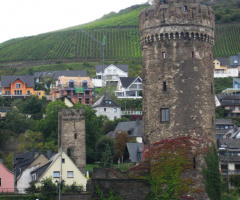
column 122, row 40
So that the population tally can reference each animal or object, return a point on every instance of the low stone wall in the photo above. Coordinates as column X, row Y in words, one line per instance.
column 126, row 188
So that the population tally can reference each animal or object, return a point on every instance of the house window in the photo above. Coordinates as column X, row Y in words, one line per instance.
column 235, row 61
column 80, row 100
column 70, row 174
column 211, row 88
column 164, row 86
column 38, row 93
column 115, row 117
column 87, row 101
column 69, row 92
column 71, row 84
column 163, row 55
column 87, row 92
column 84, row 84
column 232, row 107
column 109, row 71
column 56, row 174
column 164, row 112
column 237, row 167
column 7, row 93
column 192, row 54
column 63, row 160
column 75, row 136
column 105, row 109
column 185, row 9
column 18, row 92
column 28, row 92
column 115, row 110
column 34, row 177
column 211, row 57
column 0, row 181
column 114, row 71
column 18, row 85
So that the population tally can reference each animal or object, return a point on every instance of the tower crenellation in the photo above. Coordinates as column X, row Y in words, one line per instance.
column 177, row 19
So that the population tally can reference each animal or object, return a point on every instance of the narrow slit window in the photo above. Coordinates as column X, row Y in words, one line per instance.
column 164, row 115
column 164, row 55
column 211, row 88
column 192, row 54
column 164, row 86
column 75, row 136
column 185, row 8
column 194, row 162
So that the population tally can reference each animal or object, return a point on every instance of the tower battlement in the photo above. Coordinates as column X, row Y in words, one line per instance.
column 177, row 19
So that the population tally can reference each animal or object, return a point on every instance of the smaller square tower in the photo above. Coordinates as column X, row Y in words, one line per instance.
column 72, row 136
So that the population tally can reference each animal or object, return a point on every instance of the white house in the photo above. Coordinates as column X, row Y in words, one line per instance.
column 129, row 87
column 109, row 74
column 65, row 170
column 25, row 176
column 106, row 106
column 230, row 72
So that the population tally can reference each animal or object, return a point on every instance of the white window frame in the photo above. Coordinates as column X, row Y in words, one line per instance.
column 54, row 174
column 70, row 174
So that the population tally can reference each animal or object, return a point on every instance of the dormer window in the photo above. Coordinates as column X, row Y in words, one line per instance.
column 71, row 84
column 84, row 84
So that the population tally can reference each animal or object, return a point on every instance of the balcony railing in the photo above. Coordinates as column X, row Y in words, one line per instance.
column 127, row 112
column 225, row 171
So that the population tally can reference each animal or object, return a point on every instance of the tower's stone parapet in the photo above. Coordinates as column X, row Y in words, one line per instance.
column 177, row 19
column 71, row 135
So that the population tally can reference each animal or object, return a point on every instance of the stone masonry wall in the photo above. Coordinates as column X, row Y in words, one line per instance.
column 177, row 39
column 72, row 136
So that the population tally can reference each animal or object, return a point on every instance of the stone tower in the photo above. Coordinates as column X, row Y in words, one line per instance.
column 177, row 39
column 71, row 135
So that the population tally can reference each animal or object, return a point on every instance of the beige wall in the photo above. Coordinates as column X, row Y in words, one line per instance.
column 78, row 177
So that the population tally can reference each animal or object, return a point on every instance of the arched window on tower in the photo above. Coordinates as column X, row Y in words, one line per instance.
column 69, row 152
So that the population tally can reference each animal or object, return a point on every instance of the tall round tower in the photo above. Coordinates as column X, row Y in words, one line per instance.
column 177, row 39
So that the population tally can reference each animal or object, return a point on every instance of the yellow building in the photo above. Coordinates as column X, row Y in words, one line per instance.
column 70, row 172
column 219, row 69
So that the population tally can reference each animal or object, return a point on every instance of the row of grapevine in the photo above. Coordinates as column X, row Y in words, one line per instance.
column 227, row 40
column 121, row 43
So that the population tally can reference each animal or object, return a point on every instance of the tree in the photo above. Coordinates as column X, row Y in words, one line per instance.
column 33, row 106
column 212, row 175
column 107, row 158
column 102, row 143
column 31, row 189
column 49, row 125
column 31, row 140
column 120, row 143
column 15, row 122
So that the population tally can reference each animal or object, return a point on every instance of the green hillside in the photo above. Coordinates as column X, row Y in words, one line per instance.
column 122, row 41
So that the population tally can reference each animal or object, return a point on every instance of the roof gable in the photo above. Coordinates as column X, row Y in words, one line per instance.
column 100, row 68
column 7, row 80
column 105, row 101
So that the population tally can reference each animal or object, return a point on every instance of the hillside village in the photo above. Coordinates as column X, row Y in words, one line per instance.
column 73, row 125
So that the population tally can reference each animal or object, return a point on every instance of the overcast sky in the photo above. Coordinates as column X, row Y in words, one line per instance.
column 20, row 18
